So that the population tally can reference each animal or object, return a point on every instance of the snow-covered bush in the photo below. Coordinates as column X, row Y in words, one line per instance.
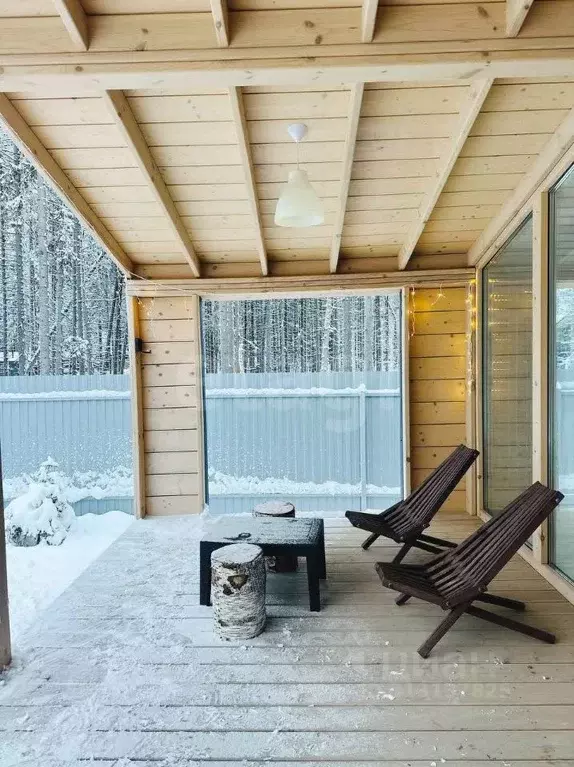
column 42, row 512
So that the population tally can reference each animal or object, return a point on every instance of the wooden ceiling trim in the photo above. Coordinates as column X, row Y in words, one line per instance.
column 76, row 22
column 331, row 282
column 478, row 93
column 516, row 13
column 559, row 145
column 368, row 19
column 31, row 145
column 121, row 112
column 355, row 101
column 220, row 21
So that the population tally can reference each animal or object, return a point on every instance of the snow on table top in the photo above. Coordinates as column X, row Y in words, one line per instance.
column 274, row 508
column 262, row 530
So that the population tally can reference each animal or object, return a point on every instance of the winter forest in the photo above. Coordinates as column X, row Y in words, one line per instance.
column 62, row 307
column 303, row 335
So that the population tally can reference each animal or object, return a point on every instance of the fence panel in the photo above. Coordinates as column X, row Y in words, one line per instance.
column 81, row 422
column 325, row 441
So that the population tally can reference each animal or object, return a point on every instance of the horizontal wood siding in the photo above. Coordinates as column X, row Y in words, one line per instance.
column 171, row 397
column 437, row 372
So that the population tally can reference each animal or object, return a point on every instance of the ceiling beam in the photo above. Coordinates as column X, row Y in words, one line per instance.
column 238, row 112
column 496, row 233
column 355, row 101
column 220, row 21
column 478, row 93
column 33, row 148
column 368, row 19
column 259, row 286
column 120, row 110
column 76, row 22
column 516, row 13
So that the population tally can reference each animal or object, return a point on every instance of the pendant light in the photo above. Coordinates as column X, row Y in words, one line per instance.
column 298, row 205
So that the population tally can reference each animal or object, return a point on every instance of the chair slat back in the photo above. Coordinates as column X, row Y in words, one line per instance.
column 462, row 572
column 416, row 511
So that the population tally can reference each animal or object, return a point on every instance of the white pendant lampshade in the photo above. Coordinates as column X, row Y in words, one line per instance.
column 298, row 205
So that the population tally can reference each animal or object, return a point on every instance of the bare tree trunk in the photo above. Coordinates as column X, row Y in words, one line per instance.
column 43, row 284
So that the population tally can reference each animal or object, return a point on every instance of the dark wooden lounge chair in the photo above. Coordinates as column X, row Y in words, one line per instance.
column 457, row 578
column 406, row 520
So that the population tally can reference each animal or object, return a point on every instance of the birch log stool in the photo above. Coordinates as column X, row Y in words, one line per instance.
column 277, row 510
column 238, row 591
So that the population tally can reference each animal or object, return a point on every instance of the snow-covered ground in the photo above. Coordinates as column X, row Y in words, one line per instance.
column 39, row 574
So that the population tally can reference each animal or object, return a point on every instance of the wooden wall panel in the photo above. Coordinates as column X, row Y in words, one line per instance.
column 437, row 371
column 171, row 396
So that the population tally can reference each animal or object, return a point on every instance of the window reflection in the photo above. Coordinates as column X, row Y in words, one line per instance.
column 507, row 371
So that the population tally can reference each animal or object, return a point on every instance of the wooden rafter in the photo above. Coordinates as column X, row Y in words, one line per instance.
column 220, row 21
column 478, row 93
column 120, row 110
column 238, row 112
column 496, row 232
column 516, row 13
column 75, row 20
column 356, row 99
column 368, row 19
column 31, row 145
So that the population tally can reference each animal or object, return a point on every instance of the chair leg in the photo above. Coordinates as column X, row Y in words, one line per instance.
column 370, row 540
column 493, row 599
column 502, row 620
column 426, row 647
column 402, row 599
column 405, row 548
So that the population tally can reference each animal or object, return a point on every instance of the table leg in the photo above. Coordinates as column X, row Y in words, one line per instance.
column 204, row 574
column 314, row 566
column 323, row 575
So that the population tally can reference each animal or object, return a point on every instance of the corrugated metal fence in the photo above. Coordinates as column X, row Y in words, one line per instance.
column 81, row 422
column 325, row 441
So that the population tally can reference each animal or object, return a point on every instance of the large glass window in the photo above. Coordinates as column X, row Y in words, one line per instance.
column 561, row 379
column 507, row 371
column 303, row 402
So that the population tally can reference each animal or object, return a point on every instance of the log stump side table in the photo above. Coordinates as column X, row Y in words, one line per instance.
column 292, row 537
column 238, row 585
column 277, row 510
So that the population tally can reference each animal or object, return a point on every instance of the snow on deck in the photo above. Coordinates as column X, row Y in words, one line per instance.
column 124, row 670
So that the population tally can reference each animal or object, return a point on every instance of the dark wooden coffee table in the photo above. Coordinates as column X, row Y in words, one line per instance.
column 277, row 537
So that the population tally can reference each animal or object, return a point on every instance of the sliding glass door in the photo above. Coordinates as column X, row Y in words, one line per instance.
column 507, row 371
column 561, row 373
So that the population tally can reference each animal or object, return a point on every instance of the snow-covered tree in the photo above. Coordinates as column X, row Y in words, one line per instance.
column 62, row 308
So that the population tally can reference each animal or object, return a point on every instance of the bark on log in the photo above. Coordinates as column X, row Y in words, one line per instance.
column 278, row 510
column 238, row 591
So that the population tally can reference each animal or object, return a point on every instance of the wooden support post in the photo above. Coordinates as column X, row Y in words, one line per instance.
column 479, row 471
column 5, row 645
column 471, row 393
column 406, row 394
column 134, row 337
column 540, row 360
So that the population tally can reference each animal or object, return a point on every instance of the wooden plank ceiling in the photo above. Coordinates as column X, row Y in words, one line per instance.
column 185, row 180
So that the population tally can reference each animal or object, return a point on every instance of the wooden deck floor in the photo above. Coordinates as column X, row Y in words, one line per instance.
column 124, row 670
